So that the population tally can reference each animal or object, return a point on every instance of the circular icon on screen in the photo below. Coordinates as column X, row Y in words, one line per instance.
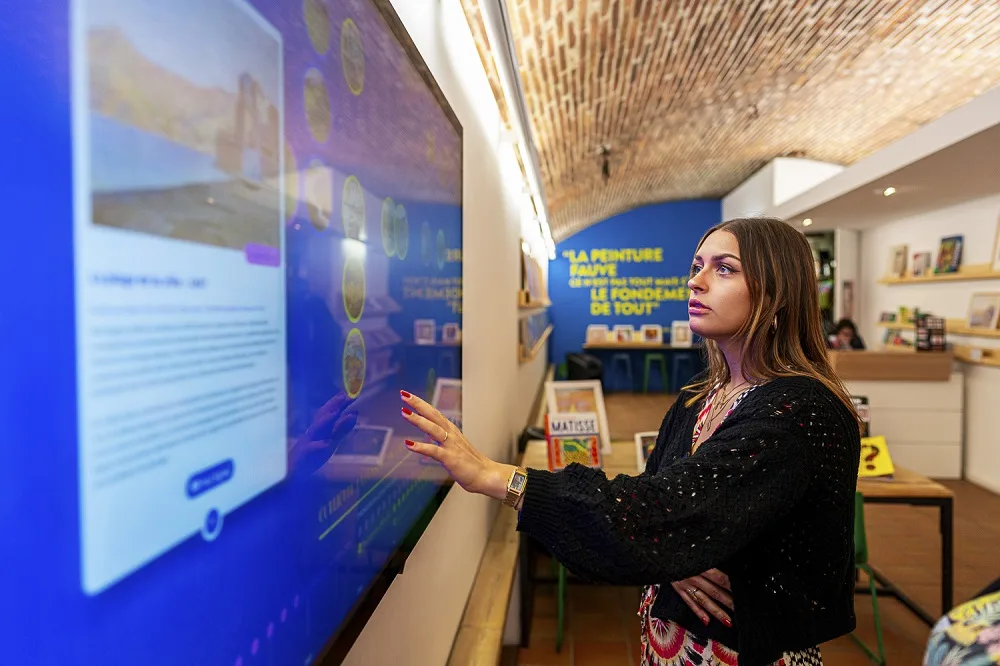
column 352, row 209
column 354, row 363
column 317, row 18
column 291, row 178
column 212, row 526
column 426, row 243
column 402, row 232
column 442, row 249
column 352, row 56
column 354, row 288
column 319, row 194
column 388, row 222
column 318, row 114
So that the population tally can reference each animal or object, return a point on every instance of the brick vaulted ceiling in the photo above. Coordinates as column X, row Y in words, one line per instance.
column 693, row 96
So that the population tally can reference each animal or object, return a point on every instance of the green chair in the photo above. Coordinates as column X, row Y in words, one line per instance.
column 658, row 359
column 561, row 604
column 861, row 564
column 562, row 373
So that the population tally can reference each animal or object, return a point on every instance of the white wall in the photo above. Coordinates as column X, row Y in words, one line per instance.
column 778, row 181
column 416, row 622
column 977, row 221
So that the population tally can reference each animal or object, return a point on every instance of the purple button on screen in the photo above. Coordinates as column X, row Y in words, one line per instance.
column 263, row 255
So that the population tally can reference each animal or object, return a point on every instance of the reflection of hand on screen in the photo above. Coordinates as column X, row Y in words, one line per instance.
column 310, row 450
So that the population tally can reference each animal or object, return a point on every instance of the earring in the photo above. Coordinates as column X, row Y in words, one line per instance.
column 774, row 324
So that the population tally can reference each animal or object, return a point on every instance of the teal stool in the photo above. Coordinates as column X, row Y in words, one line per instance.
column 621, row 370
column 561, row 372
column 660, row 360
column 560, row 572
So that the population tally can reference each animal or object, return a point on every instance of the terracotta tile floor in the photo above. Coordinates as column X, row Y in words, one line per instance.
column 602, row 628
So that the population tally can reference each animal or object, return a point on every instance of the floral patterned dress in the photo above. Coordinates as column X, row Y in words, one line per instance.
column 666, row 643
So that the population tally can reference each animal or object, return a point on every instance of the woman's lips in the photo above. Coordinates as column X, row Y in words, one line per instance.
column 697, row 308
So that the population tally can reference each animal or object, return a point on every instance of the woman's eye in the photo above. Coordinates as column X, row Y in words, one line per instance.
column 725, row 270
column 695, row 268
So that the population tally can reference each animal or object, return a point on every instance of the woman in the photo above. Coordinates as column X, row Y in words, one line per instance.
column 753, row 474
column 845, row 336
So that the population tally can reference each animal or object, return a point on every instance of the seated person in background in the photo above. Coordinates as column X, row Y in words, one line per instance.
column 846, row 336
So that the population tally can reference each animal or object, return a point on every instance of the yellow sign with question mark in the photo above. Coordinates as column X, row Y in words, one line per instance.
column 875, row 460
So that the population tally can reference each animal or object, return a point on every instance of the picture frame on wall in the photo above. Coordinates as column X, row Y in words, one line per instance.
column 949, row 254
column 624, row 333
column 984, row 311
column 580, row 397
column 680, row 334
column 651, row 333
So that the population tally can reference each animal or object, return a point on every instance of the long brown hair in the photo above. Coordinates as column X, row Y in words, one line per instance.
column 783, row 336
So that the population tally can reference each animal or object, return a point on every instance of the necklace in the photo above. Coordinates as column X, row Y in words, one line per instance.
column 718, row 407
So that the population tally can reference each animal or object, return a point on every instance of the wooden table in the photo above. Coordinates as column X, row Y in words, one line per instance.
column 907, row 487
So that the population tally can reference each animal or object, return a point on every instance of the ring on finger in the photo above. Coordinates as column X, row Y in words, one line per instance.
column 693, row 591
column 446, row 434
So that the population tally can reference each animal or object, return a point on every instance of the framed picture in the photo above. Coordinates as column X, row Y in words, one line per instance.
column 847, row 291
column 580, row 397
column 984, row 311
column 447, row 395
column 451, row 333
column 680, row 334
column 949, row 255
column 995, row 264
column 424, row 331
column 644, row 443
column 598, row 334
column 652, row 333
column 921, row 264
column 365, row 445
column 624, row 333
column 572, row 438
column 897, row 261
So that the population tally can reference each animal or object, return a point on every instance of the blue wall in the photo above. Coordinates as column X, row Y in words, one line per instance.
column 669, row 231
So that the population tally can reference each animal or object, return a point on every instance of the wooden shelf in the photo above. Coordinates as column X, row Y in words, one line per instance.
column 532, row 306
column 529, row 355
column 978, row 355
column 952, row 327
column 892, row 364
column 972, row 272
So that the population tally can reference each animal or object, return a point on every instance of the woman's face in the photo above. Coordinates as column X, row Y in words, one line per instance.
column 719, row 304
column 844, row 337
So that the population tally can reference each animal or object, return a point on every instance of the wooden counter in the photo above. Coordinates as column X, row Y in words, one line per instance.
column 892, row 365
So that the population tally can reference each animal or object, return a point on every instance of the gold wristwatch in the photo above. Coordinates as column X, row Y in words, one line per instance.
column 515, row 486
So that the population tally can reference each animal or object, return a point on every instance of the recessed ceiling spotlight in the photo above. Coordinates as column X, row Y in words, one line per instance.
column 889, row 191
column 806, row 222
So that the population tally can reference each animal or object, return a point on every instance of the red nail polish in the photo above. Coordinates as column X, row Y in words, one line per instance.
column 727, row 622
column 405, row 394
column 410, row 443
column 705, row 620
column 407, row 411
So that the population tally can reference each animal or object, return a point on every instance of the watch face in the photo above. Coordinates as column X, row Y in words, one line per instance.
column 517, row 485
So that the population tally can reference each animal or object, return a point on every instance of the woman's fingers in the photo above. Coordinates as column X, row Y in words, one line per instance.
column 695, row 607
column 719, row 578
column 709, row 605
column 712, row 590
column 421, row 407
column 431, row 429
column 432, row 451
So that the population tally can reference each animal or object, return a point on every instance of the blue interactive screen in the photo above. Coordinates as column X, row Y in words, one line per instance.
column 235, row 233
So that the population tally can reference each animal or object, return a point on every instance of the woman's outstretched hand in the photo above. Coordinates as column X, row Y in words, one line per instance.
column 472, row 470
